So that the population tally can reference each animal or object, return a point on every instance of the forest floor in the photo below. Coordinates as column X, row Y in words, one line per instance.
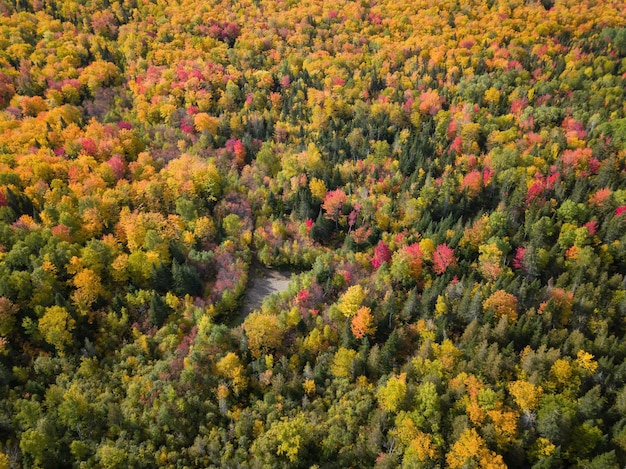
column 262, row 282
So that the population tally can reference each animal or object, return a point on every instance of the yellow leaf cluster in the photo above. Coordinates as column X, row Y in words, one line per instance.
column 391, row 395
column 585, row 361
column 502, row 304
column 56, row 327
column 230, row 367
column 470, row 450
column 203, row 122
column 318, row 188
column 342, row 362
column 526, row 394
column 263, row 332
column 350, row 302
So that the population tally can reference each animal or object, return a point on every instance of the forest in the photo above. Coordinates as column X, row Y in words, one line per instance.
column 445, row 182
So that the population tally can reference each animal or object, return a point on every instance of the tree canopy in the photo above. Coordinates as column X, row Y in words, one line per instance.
column 446, row 182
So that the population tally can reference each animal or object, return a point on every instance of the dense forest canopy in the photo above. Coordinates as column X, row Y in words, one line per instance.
column 446, row 180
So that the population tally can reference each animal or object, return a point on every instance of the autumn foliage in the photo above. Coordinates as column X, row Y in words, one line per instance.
column 442, row 186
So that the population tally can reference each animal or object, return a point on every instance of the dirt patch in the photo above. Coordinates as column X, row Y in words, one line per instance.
column 262, row 282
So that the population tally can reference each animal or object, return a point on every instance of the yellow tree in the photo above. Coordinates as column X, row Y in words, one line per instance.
column 318, row 188
column 263, row 332
column 505, row 425
column 526, row 394
column 392, row 393
column 230, row 367
column 206, row 123
column 88, row 288
column 502, row 304
column 342, row 362
column 471, row 451
column 490, row 261
column 420, row 447
column 56, row 327
column 419, row 451
column 350, row 302
column 586, row 363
